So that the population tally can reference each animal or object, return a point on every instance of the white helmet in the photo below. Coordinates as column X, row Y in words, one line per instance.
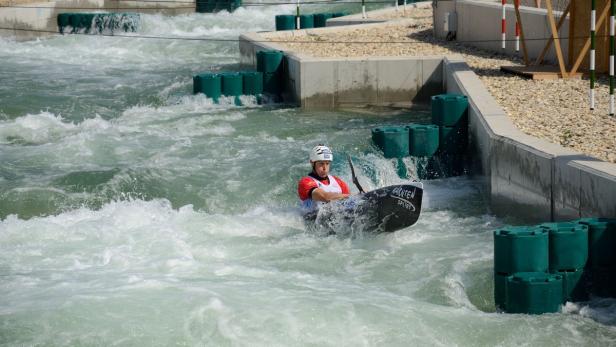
column 321, row 153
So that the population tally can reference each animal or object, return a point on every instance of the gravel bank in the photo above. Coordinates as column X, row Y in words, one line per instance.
column 555, row 110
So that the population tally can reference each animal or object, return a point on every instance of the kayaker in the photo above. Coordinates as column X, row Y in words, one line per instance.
column 319, row 186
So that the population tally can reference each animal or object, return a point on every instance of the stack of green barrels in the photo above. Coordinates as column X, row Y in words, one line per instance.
column 538, row 268
column 601, row 266
column 440, row 146
column 450, row 114
column 306, row 21
column 97, row 22
column 215, row 85
column 270, row 63
column 266, row 80
column 209, row 6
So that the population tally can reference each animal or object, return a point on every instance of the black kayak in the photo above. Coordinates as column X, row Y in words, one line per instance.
column 381, row 210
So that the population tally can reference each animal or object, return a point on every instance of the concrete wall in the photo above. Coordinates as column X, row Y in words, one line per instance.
column 42, row 17
column 479, row 25
column 528, row 177
column 377, row 16
column 330, row 83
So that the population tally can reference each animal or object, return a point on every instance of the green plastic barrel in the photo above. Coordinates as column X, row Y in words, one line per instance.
column 603, row 282
column 453, row 140
column 423, row 140
column 449, row 109
column 568, row 245
column 392, row 140
column 377, row 135
column 75, row 21
column 534, row 293
column 205, row 6
column 285, row 22
column 252, row 83
column 209, row 84
column 576, row 285
column 272, row 83
column 601, row 241
column 64, row 20
column 320, row 19
column 520, row 249
column 306, row 21
column 269, row 61
column 232, row 84
column 500, row 291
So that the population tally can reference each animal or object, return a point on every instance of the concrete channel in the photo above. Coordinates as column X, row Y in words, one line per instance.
column 524, row 176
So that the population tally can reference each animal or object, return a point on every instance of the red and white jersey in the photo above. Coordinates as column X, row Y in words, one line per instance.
column 309, row 183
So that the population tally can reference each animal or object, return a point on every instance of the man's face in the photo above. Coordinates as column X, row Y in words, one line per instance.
column 321, row 168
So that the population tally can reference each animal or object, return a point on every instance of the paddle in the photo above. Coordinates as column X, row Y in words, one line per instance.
column 361, row 190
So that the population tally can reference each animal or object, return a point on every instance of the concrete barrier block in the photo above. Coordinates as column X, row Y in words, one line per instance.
column 567, row 191
column 598, row 188
column 397, row 79
column 431, row 78
column 356, row 82
column 318, row 82
column 521, row 180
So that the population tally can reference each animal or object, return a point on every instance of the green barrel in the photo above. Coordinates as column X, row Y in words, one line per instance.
column 423, row 140
column 320, row 19
column 232, row 84
column 395, row 142
column 377, row 135
column 520, row 249
column 576, row 285
column 568, row 245
column 285, row 22
column 339, row 14
column 252, row 83
column 87, row 21
column 453, row 140
column 500, row 291
column 75, row 20
column 272, row 83
column 209, row 84
column 603, row 282
column 449, row 109
column 534, row 293
column 306, row 21
column 205, row 6
column 269, row 61
column 64, row 20
column 601, row 241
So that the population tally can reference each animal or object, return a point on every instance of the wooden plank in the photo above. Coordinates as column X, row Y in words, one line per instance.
column 516, row 5
column 559, row 52
column 550, row 41
column 540, row 72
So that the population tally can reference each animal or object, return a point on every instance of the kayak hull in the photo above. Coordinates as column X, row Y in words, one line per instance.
column 381, row 210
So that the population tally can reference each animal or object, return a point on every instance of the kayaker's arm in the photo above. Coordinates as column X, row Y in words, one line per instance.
column 319, row 194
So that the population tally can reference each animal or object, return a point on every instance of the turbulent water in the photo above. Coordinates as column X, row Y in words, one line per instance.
column 135, row 213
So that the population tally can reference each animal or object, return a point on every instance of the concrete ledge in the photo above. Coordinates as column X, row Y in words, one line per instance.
column 529, row 177
column 373, row 16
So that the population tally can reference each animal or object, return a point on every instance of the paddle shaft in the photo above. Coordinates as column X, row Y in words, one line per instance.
column 355, row 181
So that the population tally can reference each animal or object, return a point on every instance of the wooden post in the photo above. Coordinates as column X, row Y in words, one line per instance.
column 551, row 40
column 559, row 52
